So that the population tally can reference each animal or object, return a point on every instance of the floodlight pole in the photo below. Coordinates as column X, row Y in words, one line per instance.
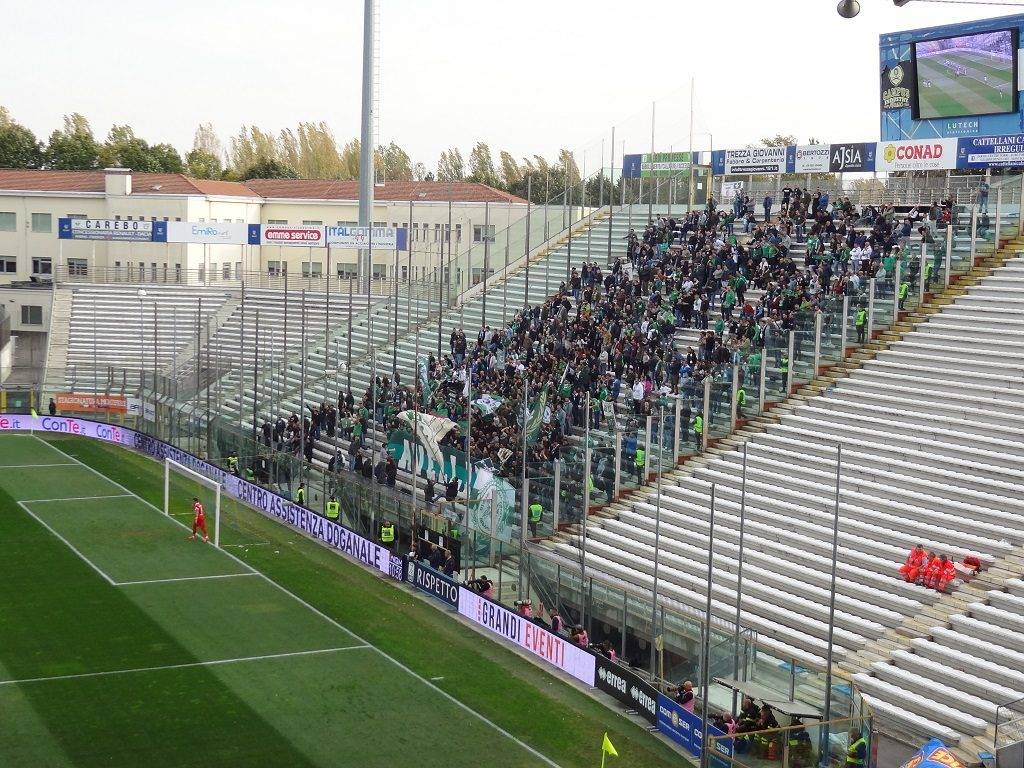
column 366, row 172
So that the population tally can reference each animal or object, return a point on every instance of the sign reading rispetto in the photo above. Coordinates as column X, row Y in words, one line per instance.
column 433, row 583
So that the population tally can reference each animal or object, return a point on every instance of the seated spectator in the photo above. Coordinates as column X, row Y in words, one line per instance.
column 607, row 651
column 685, row 696
column 932, row 569
column 524, row 608
column 482, row 586
column 915, row 562
column 940, row 577
column 749, row 716
column 579, row 636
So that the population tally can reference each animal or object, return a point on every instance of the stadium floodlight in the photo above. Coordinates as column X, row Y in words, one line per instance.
column 848, row 8
column 178, row 468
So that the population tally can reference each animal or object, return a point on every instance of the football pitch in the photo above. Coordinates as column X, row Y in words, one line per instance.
column 124, row 644
column 970, row 94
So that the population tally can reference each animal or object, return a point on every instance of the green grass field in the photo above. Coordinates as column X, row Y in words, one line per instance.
column 950, row 96
column 124, row 644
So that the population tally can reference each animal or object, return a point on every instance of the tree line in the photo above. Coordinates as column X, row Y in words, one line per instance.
column 310, row 151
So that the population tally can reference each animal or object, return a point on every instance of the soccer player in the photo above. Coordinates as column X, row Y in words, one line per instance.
column 199, row 523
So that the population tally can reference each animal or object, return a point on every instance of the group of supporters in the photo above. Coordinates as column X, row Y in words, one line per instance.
column 936, row 572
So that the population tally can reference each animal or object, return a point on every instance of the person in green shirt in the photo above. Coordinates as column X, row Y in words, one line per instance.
column 639, row 465
column 861, row 323
column 904, row 292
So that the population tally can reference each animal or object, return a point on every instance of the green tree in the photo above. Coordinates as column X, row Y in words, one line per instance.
column 18, row 145
column 350, row 160
column 393, row 163
column 511, row 173
column 779, row 140
column 252, row 146
column 126, row 150
column 73, row 147
column 166, row 158
column 451, row 167
column 481, row 165
column 269, row 168
column 200, row 164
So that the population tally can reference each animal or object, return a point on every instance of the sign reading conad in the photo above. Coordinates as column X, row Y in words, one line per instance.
column 546, row 645
column 916, row 155
column 84, row 403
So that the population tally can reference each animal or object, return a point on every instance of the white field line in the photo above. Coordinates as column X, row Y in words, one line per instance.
column 183, row 578
column 443, row 694
column 214, row 663
column 68, row 544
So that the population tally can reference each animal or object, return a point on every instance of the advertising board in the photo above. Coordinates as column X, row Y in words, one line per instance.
column 812, row 158
column 991, row 152
column 433, row 583
column 621, row 683
column 916, row 155
column 123, row 230
column 208, row 232
column 555, row 649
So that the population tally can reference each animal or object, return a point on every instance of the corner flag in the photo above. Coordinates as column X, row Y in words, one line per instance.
column 607, row 748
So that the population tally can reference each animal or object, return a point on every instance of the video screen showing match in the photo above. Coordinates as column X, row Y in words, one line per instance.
column 967, row 75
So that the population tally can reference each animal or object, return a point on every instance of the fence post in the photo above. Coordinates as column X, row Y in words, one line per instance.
column 792, row 363
column 843, row 328
column 677, row 431
column 949, row 249
column 760, row 387
column 922, row 270
column 999, row 217
column 647, row 452
column 871, row 310
column 817, row 343
column 735, row 394
column 555, row 505
column 707, row 414
column 618, row 463
column 974, row 233
column 1020, row 208
column 896, row 293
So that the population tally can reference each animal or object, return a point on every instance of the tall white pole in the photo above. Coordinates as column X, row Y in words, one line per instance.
column 366, row 173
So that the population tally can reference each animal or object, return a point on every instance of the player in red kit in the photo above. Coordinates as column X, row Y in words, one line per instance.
column 199, row 523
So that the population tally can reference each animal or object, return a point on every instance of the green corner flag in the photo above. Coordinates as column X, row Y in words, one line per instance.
column 607, row 748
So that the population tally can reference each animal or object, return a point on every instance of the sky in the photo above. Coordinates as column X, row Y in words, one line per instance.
column 526, row 76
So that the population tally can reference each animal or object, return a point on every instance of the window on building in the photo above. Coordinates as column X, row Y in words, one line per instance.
column 42, row 222
column 42, row 266
column 346, row 271
column 225, row 270
column 202, row 273
column 437, row 232
column 8, row 221
column 31, row 315
column 177, row 273
column 274, row 268
column 78, row 267
column 312, row 268
column 277, row 222
column 77, row 216
column 416, row 231
column 238, row 270
column 483, row 233
column 380, row 271
column 312, row 223
column 458, row 233
column 8, row 264
column 405, row 272
column 348, row 223
column 380, row 223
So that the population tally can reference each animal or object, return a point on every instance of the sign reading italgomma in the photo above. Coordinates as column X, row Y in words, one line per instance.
column 372, row 238
column 555, row 649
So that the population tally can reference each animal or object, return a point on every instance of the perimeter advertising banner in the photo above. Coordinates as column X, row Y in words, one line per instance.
column 67, row 426
column 534, row 638
column 750, row 160
column 621, row 683
column 89, row 403
column 315, row 526
column 433, row 583
column 846, row 158
column 917, row 155
column 112, row 230
column 372, row 238
column 991, row 152
column 812, row 158
column 657, row 164
column 686, row 728
column 305, row 235
column 211, row 233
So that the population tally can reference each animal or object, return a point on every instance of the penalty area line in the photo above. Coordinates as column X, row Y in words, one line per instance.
column 182, row 578
column 213, row 663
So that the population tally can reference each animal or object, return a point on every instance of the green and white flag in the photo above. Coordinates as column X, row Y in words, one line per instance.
column 488, row 404
column 536, row 419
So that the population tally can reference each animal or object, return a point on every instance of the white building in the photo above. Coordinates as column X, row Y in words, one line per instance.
column 31, row 202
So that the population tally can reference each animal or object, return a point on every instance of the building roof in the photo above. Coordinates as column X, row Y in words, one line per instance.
column 304, row 189
column 425, row 191
column 94, row 181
